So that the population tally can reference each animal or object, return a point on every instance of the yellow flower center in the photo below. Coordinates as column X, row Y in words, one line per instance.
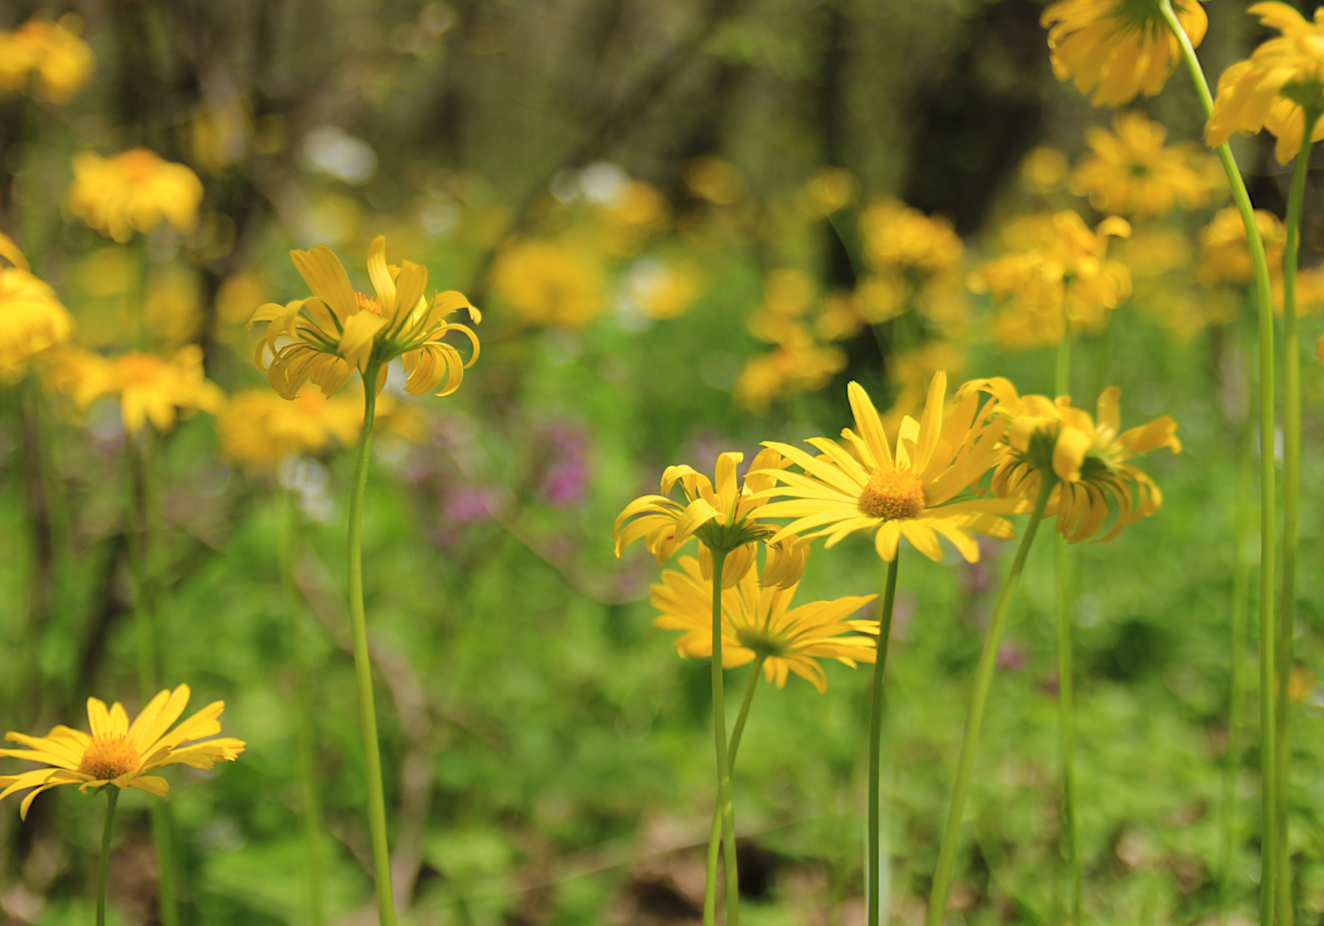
column 893, row 495
column 109, row 756
column 368, row 304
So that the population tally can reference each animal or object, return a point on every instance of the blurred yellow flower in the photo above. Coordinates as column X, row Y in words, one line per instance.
column 1120, row 49
column 121, row 753
column 663, row 290
column 715, row 180
column 898, row 237
column 830, row 190
column 758, row 621
column 639, row 211
column 798, row 364
column 50, row 56
column 1131, row 172
column 548, row 282
column 1224, row 257
column 172, row 308
column 1153, row 251
column 1269, row 90
column 133, row 191
column 149, row 388
column 32, row 319
column 259, row 429
column 1086, row 456
column 236, row 297
column 323, row 339
column 862, row 485
column 721, row 513
column 1044, row 169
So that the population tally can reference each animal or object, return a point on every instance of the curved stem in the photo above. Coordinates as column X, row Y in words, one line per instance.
column 1268, row 643
column 875, row 861
column 372, row 759
column 1291, row 500
column 725, row 804
column 988, row 660
column 103, row 864
column 715, row 831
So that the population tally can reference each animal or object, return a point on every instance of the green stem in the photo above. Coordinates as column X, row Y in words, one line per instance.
column 725, row 802
column 988, row 660
column 103, row 864
column 310, row 811
column 1291, row 501
column 1264, row 306
column 372, row 759
column 715, row 831
column 875, row 861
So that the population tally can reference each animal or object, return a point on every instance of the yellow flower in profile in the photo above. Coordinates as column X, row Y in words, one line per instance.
column 758, row 621
column 912, row 491
column 32, row 319
column 554, row 283
column 120, row 753
column 1270, row 90
column 48, row 56
column 149, row 388
column 897, row 237
column 133, row 192
column 1224, row 257
column 722, row 514
column 1119, row 49
column 259, row 429
column 325, row 338
column 1131, row 172
column 1087, row 457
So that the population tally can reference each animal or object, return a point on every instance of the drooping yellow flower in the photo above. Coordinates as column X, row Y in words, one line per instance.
column 865, row 485
column 1270, row 89
column 1224, row 257
column 1119, row 49
column 1131, row 172
column 758, row 620
column 554, row 283
column 49, row 57
column 259, row 429
column 133, row 192
column 897, row 237
column 724, row 515
column 149, row 388
column 32, row 319
column 1087, row 456
column 118, row 752
column 325, row 338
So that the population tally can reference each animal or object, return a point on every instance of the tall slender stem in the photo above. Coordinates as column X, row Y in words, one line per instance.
column 988, row 660
column 724, row 801
column 1264, row 306
column 103, row 863
column 715, row 831
column 875, row 861
column 1291, row 500
column 310, row 811
column 372, row 759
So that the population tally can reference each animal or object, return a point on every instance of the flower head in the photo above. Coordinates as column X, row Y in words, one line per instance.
column 897, row 237
column 1120, row 49
column 1224, row 257
column 723, row 514
column 150, row 388
column 1087, row 457
column 911, row 491
column 325, row 338
column 118, row 752
column 758, row 620
column 32, row 319
column 1131, row 172
column 133, row 191
column 1274, row 87
column 259, row 429
column 552, row 283
column 49, row 57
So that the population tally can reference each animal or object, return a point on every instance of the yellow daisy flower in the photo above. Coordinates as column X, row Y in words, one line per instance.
column 1120, row 49
column 758, row 620
column 553, row 283
column 1087, row 456
column 865, row 485
column 1224, row 257
column 1131, row 172
column 721, row 514
column 120, row 753
column 897, row 237
column 150, row 388
column 1269, row 90
column 32, row 319
column 48, row 56
column 259, row 429
column 325, row 338
column 133, row 191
